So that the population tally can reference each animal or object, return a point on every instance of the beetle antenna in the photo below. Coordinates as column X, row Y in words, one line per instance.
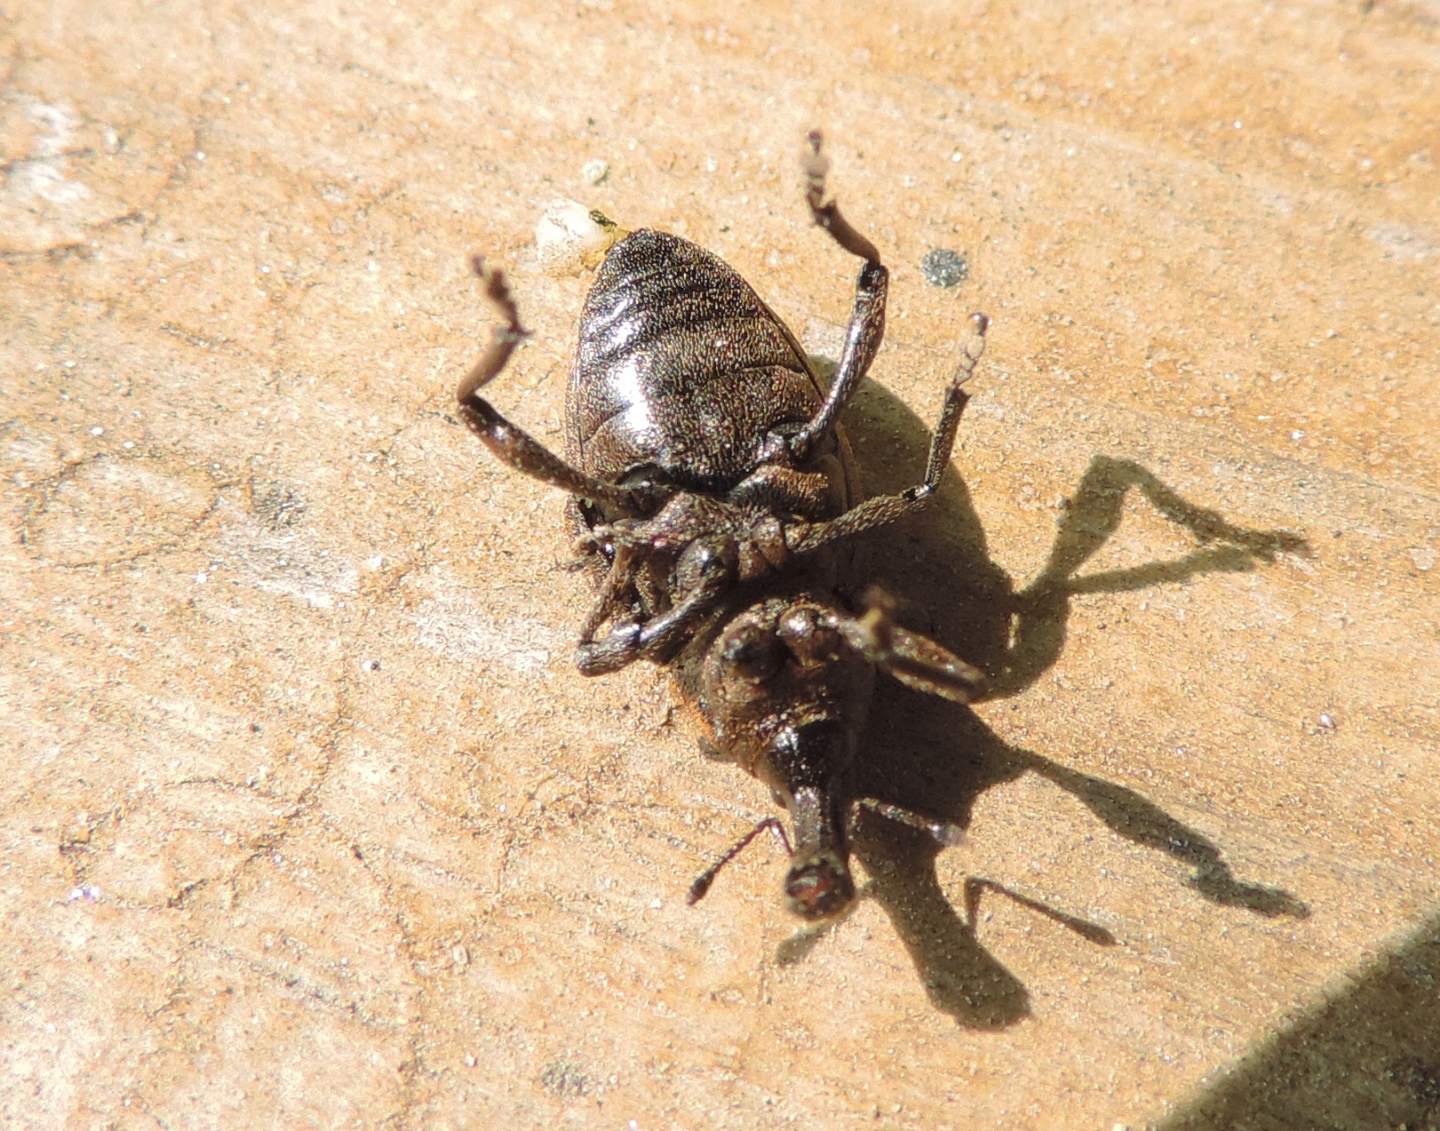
column 706, row 878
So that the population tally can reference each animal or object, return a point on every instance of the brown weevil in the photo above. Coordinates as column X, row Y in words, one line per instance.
column 712, row 489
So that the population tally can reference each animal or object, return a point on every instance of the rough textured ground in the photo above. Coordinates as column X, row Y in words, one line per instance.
column 306, row 819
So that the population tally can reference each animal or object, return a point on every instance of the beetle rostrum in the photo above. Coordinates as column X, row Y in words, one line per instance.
column 711, row 490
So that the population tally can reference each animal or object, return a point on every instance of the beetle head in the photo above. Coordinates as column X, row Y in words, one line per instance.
column 819, row 886
column 785, row 698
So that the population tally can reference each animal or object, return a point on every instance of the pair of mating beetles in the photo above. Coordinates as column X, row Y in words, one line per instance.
column 711, row 486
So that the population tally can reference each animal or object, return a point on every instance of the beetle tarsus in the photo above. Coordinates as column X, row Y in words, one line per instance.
column 867, row 317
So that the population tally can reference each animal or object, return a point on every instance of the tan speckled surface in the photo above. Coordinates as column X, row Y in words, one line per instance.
column 306, row 819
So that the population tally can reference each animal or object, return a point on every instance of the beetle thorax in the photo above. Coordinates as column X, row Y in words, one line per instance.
column 784, row 696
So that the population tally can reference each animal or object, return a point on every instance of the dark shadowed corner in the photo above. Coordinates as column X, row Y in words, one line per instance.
column 1367, row 1057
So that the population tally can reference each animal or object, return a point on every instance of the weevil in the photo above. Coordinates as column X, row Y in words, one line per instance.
column 712, row 492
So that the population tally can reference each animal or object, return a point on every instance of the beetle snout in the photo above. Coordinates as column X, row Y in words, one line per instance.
column 819, row 886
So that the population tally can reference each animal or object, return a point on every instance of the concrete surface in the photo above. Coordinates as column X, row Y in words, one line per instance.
column 306, row 819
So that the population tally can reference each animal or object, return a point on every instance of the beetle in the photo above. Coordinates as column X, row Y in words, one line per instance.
column 712, row 490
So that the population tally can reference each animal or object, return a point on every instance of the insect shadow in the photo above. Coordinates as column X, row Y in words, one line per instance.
column 936, row 757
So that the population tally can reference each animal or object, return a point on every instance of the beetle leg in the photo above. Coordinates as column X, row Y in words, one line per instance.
column 943, row 833
column 782, row 490
column 867, row 317
column 712, row 571
column 805, row 538
column 626, row 532
column 619, row 583
column 512, row 445
column 916, row 661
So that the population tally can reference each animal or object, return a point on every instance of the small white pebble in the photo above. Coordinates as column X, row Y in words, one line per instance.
column 128, row 444
column 201, row 578
column 1297, row 435
column 656, row 904
column 369, row 665
column 565, row 233
column 97, row 431
column 1423, row 557
column 595, row 170
column 1327, row 721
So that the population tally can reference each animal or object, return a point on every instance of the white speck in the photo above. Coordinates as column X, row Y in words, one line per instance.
column 199, row 155
column 264, row 268
column 369, row 665
column 375, row 562
column 97, row 431
column 68, row 364
column 128, row 444
column 565, row 234
column 595, row 170
column 1238, row 124
column 201, row 578
column 373, row 266
column 470, row 1060
column 957, row 157
column 87, row 893
column 1423, row 557
column 459, row 955
column 656, row 904
column 1327, row 721
column 1297, row 435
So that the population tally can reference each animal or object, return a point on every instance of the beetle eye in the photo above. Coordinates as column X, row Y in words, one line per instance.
column 753, row 653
